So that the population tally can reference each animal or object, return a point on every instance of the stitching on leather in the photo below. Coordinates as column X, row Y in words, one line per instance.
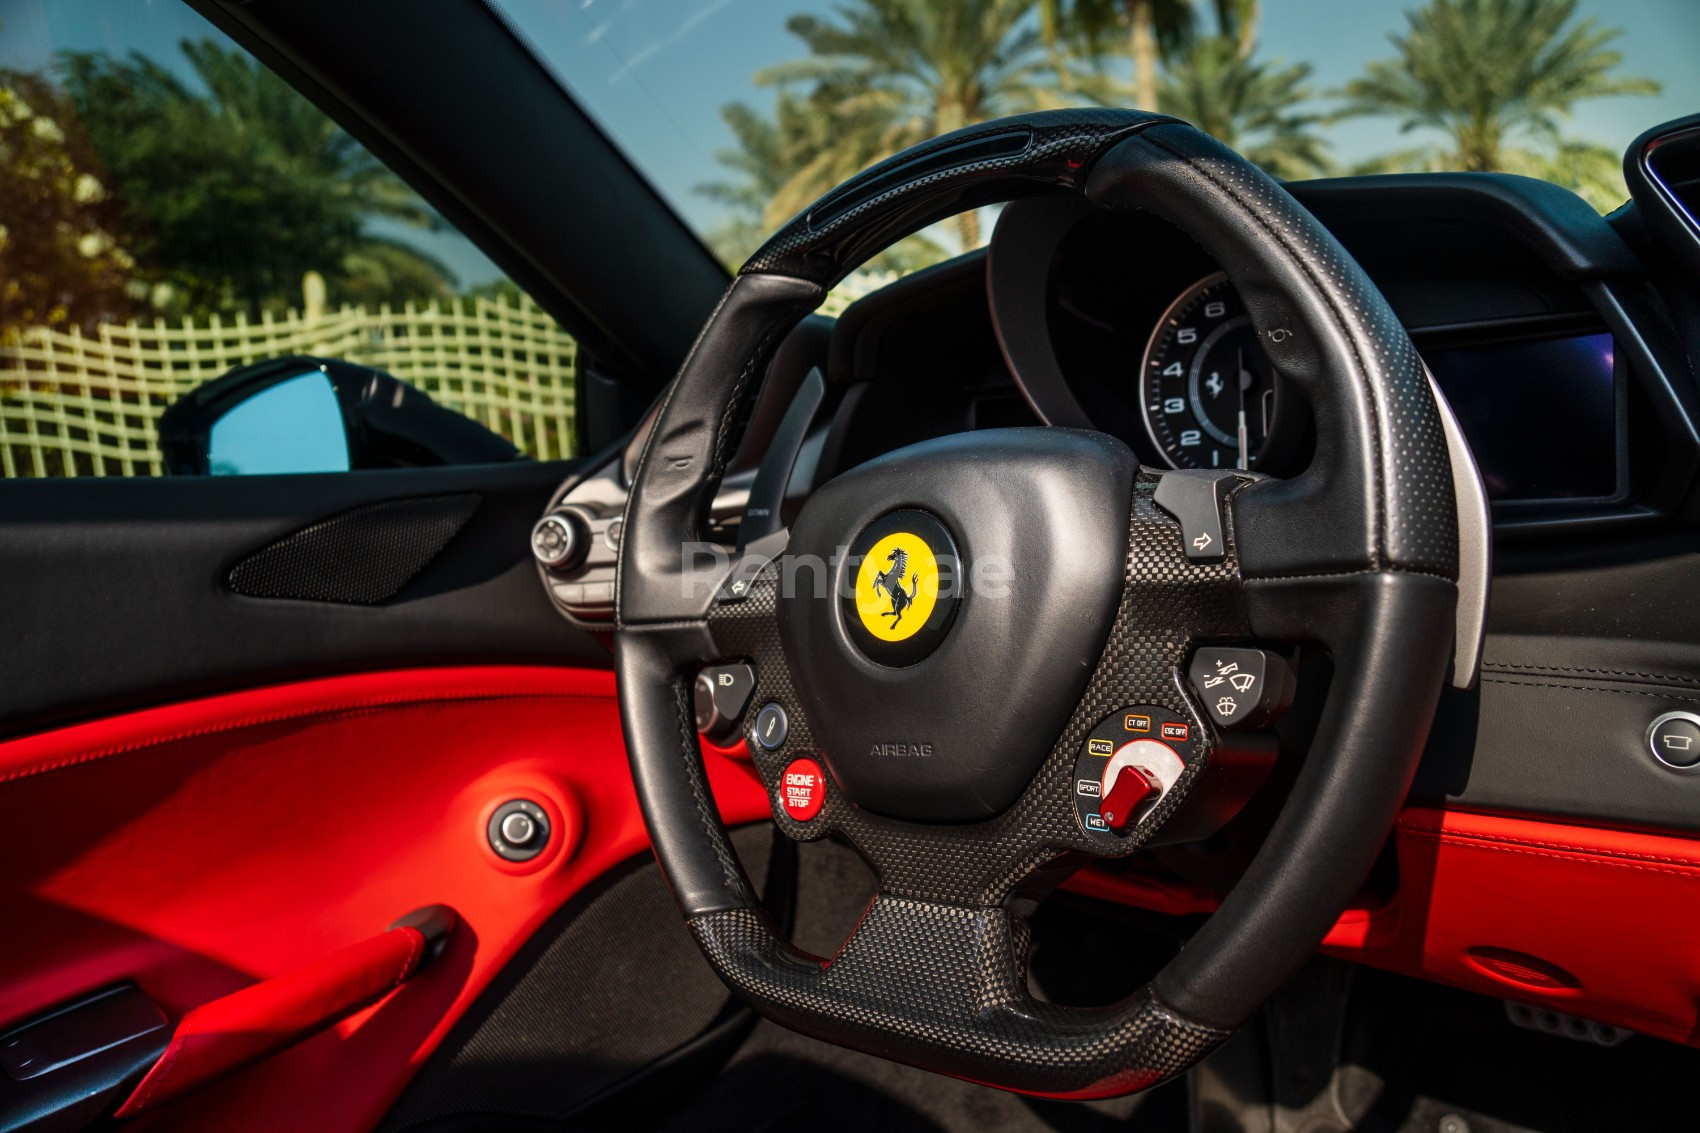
column 416, row 947
column 1588, row 688
column 690, row 755
column 1616, row 863
column 1500, row 839
column 344, row 711
column 784, row 322
column 1390, row 568
column 1520, row 667
column 648, row 444
column 1333, row 308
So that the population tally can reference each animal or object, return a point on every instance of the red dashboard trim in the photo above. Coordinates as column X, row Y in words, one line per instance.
column 1591, row 921
column 1588, row 920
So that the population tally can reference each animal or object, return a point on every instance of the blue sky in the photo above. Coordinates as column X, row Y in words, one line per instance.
column 656, row 72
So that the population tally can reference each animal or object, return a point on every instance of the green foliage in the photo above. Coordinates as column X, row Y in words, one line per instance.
column 1497, row 78
column 1155, row 31
column 772, row 152
column 881, row 75
column 62, row 258
column 1257, row 107
column 234, row 191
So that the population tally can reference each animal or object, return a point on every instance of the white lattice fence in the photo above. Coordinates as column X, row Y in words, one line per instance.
column 72, row 405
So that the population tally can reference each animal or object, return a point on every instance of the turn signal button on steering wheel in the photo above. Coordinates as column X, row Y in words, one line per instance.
column 1132, row 787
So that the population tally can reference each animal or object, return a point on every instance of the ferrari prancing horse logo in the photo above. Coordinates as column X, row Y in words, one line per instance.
column 891, row 581
column 897, row 586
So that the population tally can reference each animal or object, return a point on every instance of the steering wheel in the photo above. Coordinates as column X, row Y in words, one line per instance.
column 950, row 723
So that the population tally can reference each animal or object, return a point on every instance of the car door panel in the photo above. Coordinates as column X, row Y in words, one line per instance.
column 199, row 847
column 119, row 595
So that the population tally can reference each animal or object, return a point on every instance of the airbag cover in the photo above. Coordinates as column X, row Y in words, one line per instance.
column 1039, row 518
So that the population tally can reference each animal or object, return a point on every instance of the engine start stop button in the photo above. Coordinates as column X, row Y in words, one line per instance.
column 802, row 789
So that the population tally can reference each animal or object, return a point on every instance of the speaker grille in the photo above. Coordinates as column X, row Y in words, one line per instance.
column 360, row 557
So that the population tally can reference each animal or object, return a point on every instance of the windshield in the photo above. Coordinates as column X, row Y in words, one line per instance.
column 742, row 111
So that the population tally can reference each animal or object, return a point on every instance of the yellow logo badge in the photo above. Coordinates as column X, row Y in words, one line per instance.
column 897, row 586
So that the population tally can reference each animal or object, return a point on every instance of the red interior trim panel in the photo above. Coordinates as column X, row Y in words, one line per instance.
column 1593, row 922
column 201, row 848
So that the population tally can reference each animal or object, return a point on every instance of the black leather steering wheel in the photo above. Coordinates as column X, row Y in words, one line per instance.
column 952, row 759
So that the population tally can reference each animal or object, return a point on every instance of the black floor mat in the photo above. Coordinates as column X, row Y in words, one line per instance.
column 1450, row 1061
column 784, row 1081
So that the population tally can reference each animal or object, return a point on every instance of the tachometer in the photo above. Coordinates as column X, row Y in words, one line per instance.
column 1207, row 392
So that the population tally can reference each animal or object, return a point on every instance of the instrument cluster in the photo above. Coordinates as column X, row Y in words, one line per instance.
column 1128, row 327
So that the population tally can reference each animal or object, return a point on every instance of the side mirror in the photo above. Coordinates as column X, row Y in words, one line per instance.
column 305, row 414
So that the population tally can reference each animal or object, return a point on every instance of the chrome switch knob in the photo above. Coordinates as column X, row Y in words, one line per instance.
column 560, row 541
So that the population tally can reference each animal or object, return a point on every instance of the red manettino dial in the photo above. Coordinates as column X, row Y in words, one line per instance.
column 1132, row 787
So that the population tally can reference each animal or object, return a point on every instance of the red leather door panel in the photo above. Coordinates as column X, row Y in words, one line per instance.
column 259, row 1021
column 198, row 848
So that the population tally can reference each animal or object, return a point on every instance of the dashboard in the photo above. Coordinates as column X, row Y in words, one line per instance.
column 1564, row 343
column 1122, row 323
column 1558, row 337
column 1561, row 339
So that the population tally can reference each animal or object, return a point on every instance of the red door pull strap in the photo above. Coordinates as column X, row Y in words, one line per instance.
column 252, row 1024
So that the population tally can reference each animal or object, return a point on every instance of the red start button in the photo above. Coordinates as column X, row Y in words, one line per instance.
column 802, row 789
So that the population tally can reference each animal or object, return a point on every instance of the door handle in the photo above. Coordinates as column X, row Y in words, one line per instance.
column 273, row 1015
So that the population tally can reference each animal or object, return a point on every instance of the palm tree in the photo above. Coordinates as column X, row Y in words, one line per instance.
column 1493, row 76
column 1254, row 106
column 769, row 154
column 760, row 166
column 232, row 195
column 1156, row 30
column 884, row 74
